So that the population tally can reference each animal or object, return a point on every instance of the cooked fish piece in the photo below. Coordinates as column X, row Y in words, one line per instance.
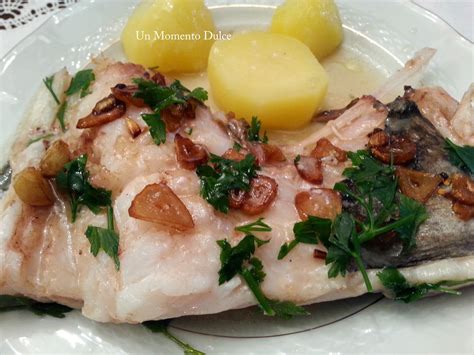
column 165, row 273
column 352, row 124
column 408, row 75
column 443, row 235
column 452, row 119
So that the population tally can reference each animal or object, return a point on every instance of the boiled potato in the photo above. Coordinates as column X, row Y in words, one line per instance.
column 316, row 23
column 150, row 37
column 272, row 76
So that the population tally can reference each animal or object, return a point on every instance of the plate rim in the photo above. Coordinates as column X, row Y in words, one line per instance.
column 55, row 17
column 61, row 14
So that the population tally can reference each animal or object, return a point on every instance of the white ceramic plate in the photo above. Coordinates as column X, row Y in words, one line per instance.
column 383, row 33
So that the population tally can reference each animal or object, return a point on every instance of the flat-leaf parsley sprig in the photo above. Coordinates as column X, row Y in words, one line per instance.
column 48, row 82
column 394, row 281
column 372, row 186
column 223, row 176
column 162, row 326
column 11, row 303
column 74, row 179
column 460, row 156
column 253, row 134
column 160, row 97
column 240, row 260
column 81, row 83
column 105, row 239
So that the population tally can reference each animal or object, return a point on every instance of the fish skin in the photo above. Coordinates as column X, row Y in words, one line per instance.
column 165, row 275
column 442, row 235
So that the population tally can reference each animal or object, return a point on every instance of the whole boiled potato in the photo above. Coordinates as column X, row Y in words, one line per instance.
column 272, row 76
column 172, row 35
column 316, row 23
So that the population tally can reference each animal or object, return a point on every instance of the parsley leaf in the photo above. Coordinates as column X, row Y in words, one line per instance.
column 257, row 226
column 74, row 179
column 233, row 258
column 338, row 260
column 309, row 232
column 225, row 175
column 343, row 246
column 161, row 326
column 373, row 187
column 237, row 147
column 394, row 281
column 105, row 238
column 9, row 303
column 199, row 94
column 60, row 115
column 407, row 231
column 287, row 310
column 81, row 82
column 159, row 97
column 253, row 134
column 462, row 157
column 157, row 127
column 367, row 171
column 239, row 260
column 48, row 82
column 49, row 309
column 256, row 269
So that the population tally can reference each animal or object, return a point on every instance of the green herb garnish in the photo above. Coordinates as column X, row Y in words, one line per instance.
column 308, row 232
column 60, row 115
column 415, row 214
column 161, row 326
column 394, row 281
column 105, row 238
column 257, row 226
column 239, row 260
column 10, row 303
column 223, row 176
column 462, row 157
column 233, row 258
column 48, row 82
column 160, row 97
column 80, row 83
column 74, row 179
column 253, row 134
column 237, row 147
column 373, row 186
column 40, row 138
column 157, row 127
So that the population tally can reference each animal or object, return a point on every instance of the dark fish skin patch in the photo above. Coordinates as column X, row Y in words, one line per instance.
column 443, row 235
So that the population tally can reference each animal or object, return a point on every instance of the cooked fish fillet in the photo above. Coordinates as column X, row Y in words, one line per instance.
column 165, row 273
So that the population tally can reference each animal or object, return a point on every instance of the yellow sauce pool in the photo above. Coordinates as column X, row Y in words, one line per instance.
column 349, row 76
